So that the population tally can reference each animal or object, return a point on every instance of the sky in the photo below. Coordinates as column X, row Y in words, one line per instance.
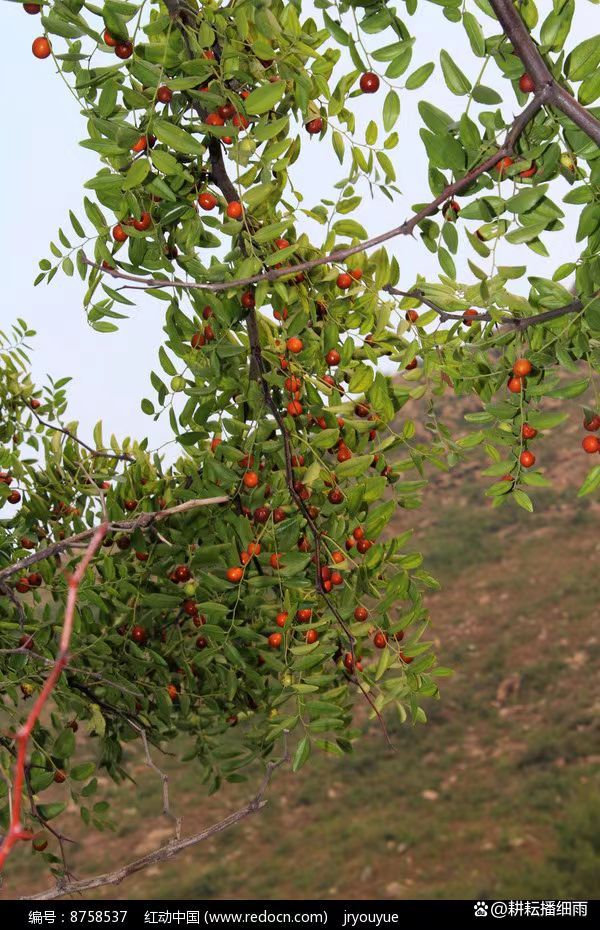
column 43, row 169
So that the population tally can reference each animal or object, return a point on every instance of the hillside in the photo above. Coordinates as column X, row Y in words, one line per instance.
column 495, row 797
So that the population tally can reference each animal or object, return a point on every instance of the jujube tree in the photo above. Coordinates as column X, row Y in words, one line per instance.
column 246, row 591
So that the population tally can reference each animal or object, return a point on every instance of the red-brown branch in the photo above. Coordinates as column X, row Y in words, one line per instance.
column 15, row 830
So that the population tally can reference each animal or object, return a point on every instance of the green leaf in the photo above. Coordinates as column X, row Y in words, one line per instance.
column 569, row 391
column 350, row 228
column 361, row 380
column 591, row 482
column 302, row 753
column 176, row 138
column 474, row 33
column 64, row 745
column 482, row 94
column 166, row 363
column 137, row 174
column 589, row 90
column 584, row 59
column 264, row 98
column 387, row 166
column 418, row 77
column 49, row 811
column 523, row 500
column 79, row 230
column 271, row 232
column 526, row 199
column 337, row 140
column 371, row 133
column 94, row 215
column 83, row 771
column 378, row 518
column 540, row 420
column 456, row 81
column 357, row 465
column 336, row 29
column 391, row 110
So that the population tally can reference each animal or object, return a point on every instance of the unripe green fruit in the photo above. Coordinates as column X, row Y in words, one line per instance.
column 569, row 162
column 177, row 383
column 287, row 680
column 189, row 588
column 245, row 150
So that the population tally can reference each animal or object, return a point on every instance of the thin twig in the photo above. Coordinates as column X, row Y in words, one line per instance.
column 99, row 453
column 8, row 592
column 174, row 847
column 163, row 777
column 258, row 368
column 24, row 650
column 576, row 306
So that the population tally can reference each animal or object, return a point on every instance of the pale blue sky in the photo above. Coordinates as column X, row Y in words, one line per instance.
column 43, row 169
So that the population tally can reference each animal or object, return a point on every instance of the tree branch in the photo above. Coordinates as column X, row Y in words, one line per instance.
column 15, row 830
column 533, row 62
column 340, row 255
column 100, row 679
column 259, row 370
column 99, row 453
column 172, row 849
column 576, row 306
column 144, row 521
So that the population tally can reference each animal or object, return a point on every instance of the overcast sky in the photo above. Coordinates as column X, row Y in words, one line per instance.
column 43, row 169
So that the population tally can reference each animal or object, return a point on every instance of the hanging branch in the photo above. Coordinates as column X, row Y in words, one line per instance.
column 172, row 849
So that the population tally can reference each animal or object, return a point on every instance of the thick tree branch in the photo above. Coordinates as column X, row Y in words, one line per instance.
column 534, row 64
column 516, row 30
column 172, row 849
column 142, row 522
column 219, row 173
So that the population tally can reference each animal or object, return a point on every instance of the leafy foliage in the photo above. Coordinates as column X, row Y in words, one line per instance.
column 276, row 610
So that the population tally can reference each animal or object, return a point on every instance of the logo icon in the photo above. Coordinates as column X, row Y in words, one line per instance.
column 481, row 909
